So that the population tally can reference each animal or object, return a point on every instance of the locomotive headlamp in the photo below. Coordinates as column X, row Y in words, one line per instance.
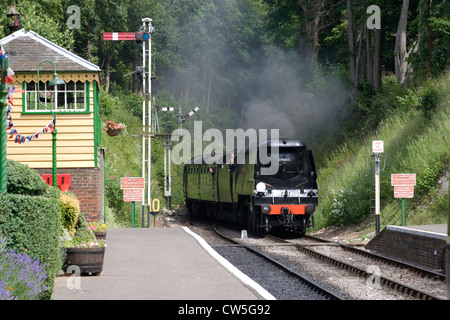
column 265, row 209
column 261, row 187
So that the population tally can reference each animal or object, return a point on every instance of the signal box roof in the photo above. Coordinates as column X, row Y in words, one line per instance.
column 26, row 49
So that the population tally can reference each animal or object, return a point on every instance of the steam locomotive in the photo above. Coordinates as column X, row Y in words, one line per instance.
column 240, row 194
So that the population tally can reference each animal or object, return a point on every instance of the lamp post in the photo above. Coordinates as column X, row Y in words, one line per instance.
column 3, row 103
column 54, row 82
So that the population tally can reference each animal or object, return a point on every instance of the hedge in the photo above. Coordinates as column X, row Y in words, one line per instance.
column 31, row 221
column 23, row 180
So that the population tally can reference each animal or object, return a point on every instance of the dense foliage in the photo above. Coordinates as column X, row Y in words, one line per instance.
column 312, row 68
column 30, row 223
column 416, row 141
column 70, row 212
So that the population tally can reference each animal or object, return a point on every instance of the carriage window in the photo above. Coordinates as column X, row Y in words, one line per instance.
column 69, row 97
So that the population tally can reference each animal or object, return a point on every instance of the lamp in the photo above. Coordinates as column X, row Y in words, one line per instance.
column 54, row 82
column 13, row 16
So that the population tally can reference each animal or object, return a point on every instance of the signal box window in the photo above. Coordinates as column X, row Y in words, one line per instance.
column 69, row 97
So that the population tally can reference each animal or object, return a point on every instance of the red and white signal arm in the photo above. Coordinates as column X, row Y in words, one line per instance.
column 130, row 36
column 377, row 146
column 119, row 36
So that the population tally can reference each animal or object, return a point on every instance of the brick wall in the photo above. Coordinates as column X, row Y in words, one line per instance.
column 428, row 252
column 88, row 187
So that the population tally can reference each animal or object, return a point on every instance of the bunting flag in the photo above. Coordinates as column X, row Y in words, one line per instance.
column 9, row 72
column 13, row 131
column 9, row 123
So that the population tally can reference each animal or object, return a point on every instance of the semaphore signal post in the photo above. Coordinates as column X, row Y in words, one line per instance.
column 144, row 35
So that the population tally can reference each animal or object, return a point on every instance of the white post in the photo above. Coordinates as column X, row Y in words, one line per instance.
column 377, row 148
column 149, row 99
column 165, row 169
column 377, row 193
column 146, row 107
column 143, row 124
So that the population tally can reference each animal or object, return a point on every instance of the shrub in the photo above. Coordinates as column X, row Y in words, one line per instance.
column 30, row 219
column 31, row 225
column 70, row 211
column 83, row 229
column 108, row 103
column 427, row 178
column 21, row 277
column 23, row 180
column 431, row 97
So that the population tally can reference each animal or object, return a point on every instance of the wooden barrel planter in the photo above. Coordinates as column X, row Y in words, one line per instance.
column 89, row 260
column 100, row 235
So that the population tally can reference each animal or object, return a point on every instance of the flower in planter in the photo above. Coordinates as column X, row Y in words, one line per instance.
column 82, row 242
column 113, row 128
column 82, row 239
column 96, row 226
column 93, row 244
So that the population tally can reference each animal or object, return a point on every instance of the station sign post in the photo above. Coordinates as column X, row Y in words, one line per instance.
column 403, row 188
column 377, row 148
column 133, row 190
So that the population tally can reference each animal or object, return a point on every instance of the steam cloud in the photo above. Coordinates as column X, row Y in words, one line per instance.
column 286, row 95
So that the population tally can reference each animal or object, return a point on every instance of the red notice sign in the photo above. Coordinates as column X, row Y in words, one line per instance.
column 132, row 183
column 408, row 179
column 130, row 195
column 404, row 192
column 377, row 146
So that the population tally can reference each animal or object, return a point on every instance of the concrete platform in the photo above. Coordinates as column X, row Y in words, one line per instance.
column 160, row 264
column 438, row 231
column 422, row 245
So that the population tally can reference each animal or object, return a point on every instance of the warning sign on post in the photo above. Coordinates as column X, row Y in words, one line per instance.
column 408, row 179
column 132, row 183
column 130, row 195
column 133, row 188
column 378, row 146
column 404, row 192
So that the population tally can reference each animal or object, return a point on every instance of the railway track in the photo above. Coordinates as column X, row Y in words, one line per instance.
column 307, row 285
column 306, row 242
column 379, row 258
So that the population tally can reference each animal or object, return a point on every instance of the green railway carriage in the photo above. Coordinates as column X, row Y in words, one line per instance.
column 238, row 192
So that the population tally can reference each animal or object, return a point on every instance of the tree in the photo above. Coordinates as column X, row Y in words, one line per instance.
column 401, row 55
column 111, row 16
column 364, row 48
column 311, row 24
column 430, row 56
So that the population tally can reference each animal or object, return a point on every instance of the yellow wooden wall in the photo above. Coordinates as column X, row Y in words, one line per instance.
column 75, row 139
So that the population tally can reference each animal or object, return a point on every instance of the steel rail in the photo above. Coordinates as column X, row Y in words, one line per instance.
column 377, row 257
column 389, row 283
column 313, row 286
